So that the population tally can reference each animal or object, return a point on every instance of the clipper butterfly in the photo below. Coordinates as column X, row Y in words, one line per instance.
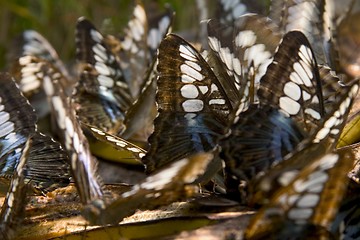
column 102, row 95
column 294, row 106
column 192, row 104
column 305, row 16
column 244, row 49
column 310, row 192
column 15, row 200
column 175, row 180
column 170, row 183
column 18, row 122
column 34, row 44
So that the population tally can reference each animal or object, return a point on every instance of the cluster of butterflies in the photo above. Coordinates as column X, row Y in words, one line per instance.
column 264, row 97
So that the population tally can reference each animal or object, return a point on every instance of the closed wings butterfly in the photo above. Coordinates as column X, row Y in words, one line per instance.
column 192, row 104
column 244, row 49
column 27, row 75
column 138, row 46
column 102, row 95
column 296, row 107
column 83, row 164
column 175, row 181
column 18, row 122
column 307, row 201
column 306, row 16
column 12, row 210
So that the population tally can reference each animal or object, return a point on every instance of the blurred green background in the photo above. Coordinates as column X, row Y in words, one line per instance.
column 56, row 19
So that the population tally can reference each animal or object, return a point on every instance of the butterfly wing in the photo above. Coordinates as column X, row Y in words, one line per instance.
column 15, row 200
column 171, row 183
column 305, row 16
column 101, row 80
column 83, row 164
column 292, row 82
column 192, row 105
column 115, row 142
column 244, row 49
column 18, row 119
column 312, row 197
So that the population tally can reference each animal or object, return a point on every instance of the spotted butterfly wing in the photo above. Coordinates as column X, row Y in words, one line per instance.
column 142, row 36
column 263, row 135
column 102, row 94
column 34, row 44
column 15, row 200
column 83, row 164
column 245, row 49
column 170, row 183
column 193, row 107
column 311, row 198
column 18, row 123
column 301, row 97
column 305, row 16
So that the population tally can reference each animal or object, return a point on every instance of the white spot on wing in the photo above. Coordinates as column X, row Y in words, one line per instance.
column 288, row 105
column 189, row 91
column 193, row 105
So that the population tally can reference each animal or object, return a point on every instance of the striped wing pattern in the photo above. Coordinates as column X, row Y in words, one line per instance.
column 288, row 116
column 101, row 82
column 83, row 164
column 301, row 97
column 15, row 200
column 18, row 123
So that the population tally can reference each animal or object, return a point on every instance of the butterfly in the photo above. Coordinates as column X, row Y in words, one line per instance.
column 83, row 164
column 288, row 112
column 305, row 16
column 308, row 197
column 34, row 44
column 244, row 49
column 102, row 89
column 192, row 104
column 18, row 122
column 139, row 42
column 104, row 95
column 15, row 200
column 175, row 180
column 172, row 182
